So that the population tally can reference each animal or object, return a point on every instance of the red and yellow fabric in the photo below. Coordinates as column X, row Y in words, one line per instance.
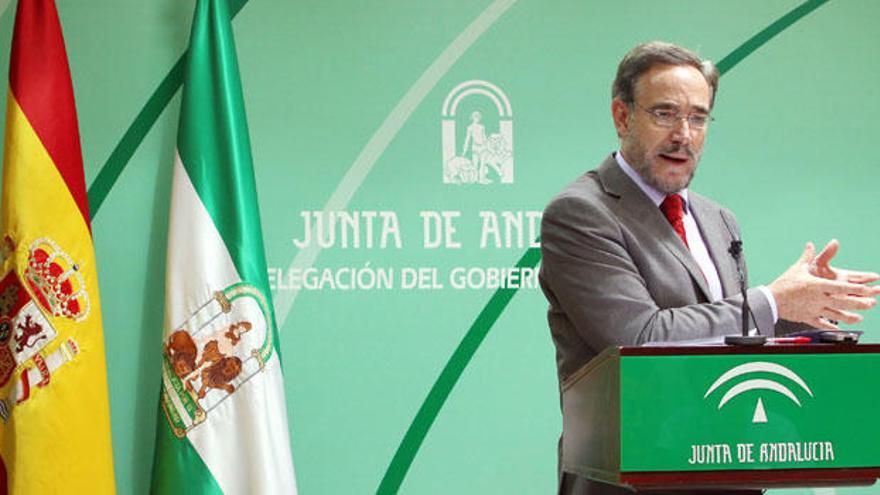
column 54, row 414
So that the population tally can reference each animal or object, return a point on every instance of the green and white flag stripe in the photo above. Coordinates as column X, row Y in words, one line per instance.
column 222, row 424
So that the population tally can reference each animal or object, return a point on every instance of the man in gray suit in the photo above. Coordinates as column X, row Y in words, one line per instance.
column 630, row 255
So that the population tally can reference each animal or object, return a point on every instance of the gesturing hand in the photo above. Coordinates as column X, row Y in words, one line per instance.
column 813, row 292
column 821, row 267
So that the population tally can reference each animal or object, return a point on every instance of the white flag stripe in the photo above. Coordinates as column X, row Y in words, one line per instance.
column 198, row 263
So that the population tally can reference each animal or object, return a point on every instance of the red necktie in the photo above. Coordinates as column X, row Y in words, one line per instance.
column 673, row 207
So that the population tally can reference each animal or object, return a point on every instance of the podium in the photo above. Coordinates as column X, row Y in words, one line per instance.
column 722, row 417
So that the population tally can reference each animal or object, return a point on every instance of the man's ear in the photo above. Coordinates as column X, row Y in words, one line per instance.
column 620, row 112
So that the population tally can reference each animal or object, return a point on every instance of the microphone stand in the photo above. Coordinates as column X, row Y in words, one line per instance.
column 745, row 339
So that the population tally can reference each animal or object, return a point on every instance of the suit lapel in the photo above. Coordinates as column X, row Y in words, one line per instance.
column 642, row 211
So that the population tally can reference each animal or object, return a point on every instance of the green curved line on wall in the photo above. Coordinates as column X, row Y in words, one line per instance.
column 766, row 34
column 461, row 357
column 137, row 131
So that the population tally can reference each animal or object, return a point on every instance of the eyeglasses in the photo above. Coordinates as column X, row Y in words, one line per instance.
column 666, row 117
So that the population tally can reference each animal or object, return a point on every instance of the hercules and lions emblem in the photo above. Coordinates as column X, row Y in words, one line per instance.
column 214, row 369
column 212, row 354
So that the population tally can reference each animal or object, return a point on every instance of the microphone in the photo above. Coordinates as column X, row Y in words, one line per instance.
column 735, row 251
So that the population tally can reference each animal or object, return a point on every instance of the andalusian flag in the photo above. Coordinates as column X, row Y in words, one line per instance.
column 54, row 418
column 223, row 422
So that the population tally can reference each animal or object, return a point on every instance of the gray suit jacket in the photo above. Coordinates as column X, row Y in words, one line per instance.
column 615, row 273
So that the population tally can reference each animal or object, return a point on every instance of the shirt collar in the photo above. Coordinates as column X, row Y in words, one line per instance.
column 653, row 194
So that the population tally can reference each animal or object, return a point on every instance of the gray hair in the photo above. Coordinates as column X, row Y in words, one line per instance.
column 646, row 55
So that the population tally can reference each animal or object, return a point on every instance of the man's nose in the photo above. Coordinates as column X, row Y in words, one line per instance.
column 681, row 131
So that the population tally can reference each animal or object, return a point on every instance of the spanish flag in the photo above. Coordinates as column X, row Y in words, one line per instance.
column 54, row 416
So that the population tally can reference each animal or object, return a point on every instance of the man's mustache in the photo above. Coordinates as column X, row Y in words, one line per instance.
column 678, row 149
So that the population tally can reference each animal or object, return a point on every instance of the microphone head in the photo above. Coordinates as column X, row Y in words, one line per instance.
column 735, row 248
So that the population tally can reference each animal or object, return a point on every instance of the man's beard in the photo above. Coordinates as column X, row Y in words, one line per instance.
column 642, row 165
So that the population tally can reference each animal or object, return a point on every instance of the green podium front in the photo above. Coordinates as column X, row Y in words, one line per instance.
column 725, row 417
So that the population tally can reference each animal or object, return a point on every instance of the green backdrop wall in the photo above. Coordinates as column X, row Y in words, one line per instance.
column 345, row 104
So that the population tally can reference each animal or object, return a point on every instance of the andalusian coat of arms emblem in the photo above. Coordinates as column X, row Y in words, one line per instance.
column 222, row 345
